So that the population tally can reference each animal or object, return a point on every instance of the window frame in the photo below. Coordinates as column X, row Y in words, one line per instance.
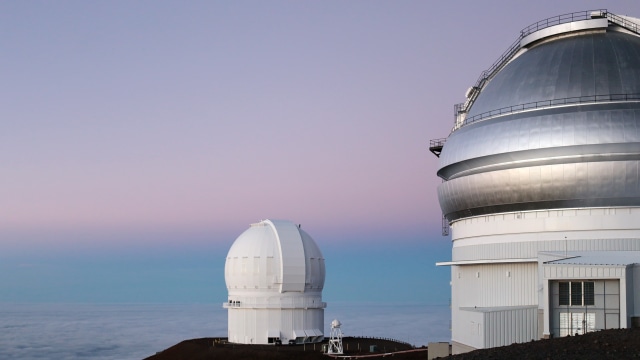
column 576, row 293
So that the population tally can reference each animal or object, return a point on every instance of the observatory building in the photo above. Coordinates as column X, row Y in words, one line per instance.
column 275, row 274
column 541, row 186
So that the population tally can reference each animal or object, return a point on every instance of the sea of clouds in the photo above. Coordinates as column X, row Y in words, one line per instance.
column 136, row 331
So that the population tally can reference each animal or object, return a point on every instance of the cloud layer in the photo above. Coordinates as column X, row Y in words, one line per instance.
column 135, row 331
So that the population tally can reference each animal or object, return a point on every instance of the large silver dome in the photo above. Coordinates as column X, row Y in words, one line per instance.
column 556, row 127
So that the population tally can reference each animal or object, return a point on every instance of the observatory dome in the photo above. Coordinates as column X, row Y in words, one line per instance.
column 557, row 126
column 275, row 255
column 541, row 175
column 275, row 274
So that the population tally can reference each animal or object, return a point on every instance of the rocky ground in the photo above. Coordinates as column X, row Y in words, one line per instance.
column 607, row 344
column 214, row 348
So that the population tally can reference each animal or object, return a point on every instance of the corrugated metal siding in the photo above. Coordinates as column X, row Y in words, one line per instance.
column 530, row 249
column 505, row 327
column 582, row 271
column 494, row 285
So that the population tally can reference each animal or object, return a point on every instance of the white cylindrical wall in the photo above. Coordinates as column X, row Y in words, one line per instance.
column 521, row 235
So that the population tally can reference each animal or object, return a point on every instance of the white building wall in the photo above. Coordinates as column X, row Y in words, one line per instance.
column 253, row 326
column 517, row 239
column 512, row 284
column 478, row 289
column 505, row 327
column 468, row 329
column 524, row 234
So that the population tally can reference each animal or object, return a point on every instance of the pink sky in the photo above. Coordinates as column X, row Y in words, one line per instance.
column 128, row 116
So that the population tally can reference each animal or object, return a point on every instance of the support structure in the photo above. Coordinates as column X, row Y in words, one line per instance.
column 335, row 341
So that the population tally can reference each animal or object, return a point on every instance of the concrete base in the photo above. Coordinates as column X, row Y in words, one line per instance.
column 437, row 350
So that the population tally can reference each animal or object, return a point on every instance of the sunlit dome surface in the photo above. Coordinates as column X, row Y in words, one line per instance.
column 275, row 274
column 275, row 255
column 556, row 127
column 541, row 185
column 582, row 65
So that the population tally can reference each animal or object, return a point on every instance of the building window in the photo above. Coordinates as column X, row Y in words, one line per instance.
column 564, row 293
column 576, row 293
column 589, row 296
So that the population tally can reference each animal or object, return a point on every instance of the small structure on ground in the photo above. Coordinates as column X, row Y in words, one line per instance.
column 438, row 350
column 335, row 340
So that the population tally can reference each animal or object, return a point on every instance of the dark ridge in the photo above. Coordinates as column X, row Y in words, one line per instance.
column 218, row 348
column 606, row 344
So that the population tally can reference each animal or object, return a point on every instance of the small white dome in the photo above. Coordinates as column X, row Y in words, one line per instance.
column 274, row 256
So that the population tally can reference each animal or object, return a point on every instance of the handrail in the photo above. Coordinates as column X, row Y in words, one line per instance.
column 437, row 142
column 561, row 19
column 380, row 338
column 543, row 104
column 488, row 74
column 619, row 20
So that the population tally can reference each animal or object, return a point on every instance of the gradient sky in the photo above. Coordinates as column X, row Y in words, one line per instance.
column 139, row 139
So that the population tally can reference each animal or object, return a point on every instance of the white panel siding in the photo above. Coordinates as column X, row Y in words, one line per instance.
column 293, row 271
column 494, row 285
column 557, row 271
column 468, row 328
column 510, row 295
column 530, row 249
column 505, row 327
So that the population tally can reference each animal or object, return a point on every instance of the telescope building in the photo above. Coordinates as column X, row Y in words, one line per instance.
column 274, row 274
column 541, row 186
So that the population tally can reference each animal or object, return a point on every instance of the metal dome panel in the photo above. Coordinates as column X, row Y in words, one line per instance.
column 275, row 255
column 571, row 67
column 293, row 269
column 562, row 155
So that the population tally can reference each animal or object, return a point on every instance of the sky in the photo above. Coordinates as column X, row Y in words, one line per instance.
column 139, row 139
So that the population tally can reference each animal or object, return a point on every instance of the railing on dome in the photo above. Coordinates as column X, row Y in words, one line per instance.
column 563, row 19
column 435, row 146
column 536, row 105
column 488, row 74
column 250, row 304
column 619, row 20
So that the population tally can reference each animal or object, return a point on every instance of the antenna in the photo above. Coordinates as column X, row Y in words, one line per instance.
column 335, row 340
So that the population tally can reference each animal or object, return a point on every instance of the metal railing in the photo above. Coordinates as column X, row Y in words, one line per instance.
column 437, row 142
column 380, row 338
column 563, row 19
column 619, row 20
column 488, row 74
column 536, row 105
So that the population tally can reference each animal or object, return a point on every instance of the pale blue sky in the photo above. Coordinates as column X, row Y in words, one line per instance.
column 138, row 139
